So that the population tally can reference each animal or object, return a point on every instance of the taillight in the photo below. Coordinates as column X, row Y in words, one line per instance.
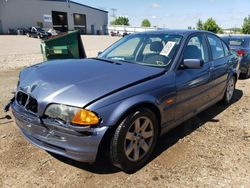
column 241, row 52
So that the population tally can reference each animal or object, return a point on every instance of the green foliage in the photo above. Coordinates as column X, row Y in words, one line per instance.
column 246, row 25
column 209, row 25
column 146, row 23
column 199, row 25
column 121, row 20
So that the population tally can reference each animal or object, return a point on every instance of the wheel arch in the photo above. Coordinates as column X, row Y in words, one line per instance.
column 146, row 105
column 106, row 140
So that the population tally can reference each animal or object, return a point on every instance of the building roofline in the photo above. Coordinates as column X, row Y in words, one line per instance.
column 87, row 6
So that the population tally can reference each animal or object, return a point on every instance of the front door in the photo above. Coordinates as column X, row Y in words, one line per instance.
column 192, row 84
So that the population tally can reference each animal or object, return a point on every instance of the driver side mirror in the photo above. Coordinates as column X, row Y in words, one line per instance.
column 193, row 63
column 99, row 53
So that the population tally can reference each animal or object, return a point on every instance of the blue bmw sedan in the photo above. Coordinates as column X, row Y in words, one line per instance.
column 136, row 90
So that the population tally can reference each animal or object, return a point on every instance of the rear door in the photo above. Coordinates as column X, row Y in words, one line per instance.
column 192, row 84
column 221, row 58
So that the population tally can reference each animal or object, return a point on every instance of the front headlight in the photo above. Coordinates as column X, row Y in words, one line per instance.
column 72, row 115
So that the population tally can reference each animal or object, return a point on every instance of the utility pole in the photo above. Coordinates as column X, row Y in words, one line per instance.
column 68, row 2
column 113, row 15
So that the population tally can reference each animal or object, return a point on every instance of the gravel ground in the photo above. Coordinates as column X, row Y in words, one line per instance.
column 210, row 150
column 20, row 51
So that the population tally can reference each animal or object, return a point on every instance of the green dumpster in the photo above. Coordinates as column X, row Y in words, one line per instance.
column 68, row 46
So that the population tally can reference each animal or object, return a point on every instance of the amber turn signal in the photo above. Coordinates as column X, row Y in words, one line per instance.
column 85, row 117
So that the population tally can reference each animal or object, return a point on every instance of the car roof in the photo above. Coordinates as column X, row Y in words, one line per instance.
column 175, row 31
column 236, row 36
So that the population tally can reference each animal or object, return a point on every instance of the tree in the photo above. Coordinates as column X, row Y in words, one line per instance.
column 199, row 25
column 146, row 23
column 121, row 20
column 211, row 25
column 246, row 25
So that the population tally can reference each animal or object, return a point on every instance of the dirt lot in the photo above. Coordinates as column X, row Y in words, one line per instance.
column 19, row 51
column 210, row 150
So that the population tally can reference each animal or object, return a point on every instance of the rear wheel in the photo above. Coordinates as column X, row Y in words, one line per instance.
column 229, row 91
column 247, row 74
column 134, row 140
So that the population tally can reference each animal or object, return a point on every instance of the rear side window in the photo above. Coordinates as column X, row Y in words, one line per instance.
column 236, row 42
column 216, row 47
column 226, row 50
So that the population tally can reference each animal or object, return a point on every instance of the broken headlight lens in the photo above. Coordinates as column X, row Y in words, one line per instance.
column 73, row 115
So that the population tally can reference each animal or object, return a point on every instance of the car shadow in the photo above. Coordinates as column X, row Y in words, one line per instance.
column 104, row 166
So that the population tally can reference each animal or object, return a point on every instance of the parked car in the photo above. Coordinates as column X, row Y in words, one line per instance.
column 38, row 32
column 241, row 46
column 114, row 34
column 53, row 32
column 136, row 90
column 21, row 31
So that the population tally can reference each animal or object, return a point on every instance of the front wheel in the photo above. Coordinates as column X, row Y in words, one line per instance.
column 229, row 91
column 134, row 140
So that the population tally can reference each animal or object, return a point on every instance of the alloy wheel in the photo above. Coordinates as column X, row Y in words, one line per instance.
column 139, row 138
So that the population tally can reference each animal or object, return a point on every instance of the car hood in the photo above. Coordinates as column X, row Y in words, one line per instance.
column 79, row 82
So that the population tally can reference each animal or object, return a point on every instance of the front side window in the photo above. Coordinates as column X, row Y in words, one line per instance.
column 216, row 47
column 196, row 49
column 147, row 49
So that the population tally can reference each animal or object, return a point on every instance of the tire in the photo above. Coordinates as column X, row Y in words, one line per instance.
column 247, row 74
column 130, row 149
column 227, row 99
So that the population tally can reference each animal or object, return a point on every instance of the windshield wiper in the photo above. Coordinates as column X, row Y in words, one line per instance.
column 126, row 61
column 106, row 60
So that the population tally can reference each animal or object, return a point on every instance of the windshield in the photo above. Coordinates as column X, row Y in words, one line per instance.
column 146, row 49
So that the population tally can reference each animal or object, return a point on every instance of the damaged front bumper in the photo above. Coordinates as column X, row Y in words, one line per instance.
column 52, row 136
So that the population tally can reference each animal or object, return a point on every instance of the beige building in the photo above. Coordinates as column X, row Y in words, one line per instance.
column 61, row 15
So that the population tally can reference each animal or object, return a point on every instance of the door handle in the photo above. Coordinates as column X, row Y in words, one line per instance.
column 211, row 69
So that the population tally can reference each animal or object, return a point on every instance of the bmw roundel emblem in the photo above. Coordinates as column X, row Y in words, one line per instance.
column 28, row 89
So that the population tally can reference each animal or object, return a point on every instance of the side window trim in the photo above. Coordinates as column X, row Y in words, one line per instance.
column 210, row 55
column 224, row 45
column 206, row 47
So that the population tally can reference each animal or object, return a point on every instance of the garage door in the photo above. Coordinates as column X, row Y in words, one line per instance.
column 80, row 23
column 60, row 21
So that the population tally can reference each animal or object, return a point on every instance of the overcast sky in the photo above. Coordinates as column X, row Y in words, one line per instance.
column 177, row 13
